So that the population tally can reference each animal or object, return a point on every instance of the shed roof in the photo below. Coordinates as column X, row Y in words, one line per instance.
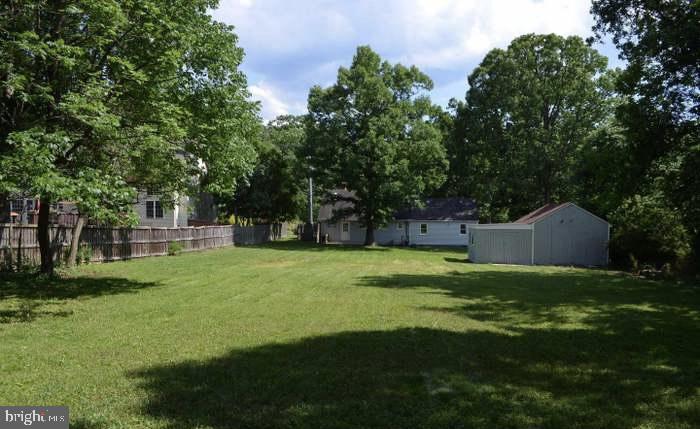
column 547, row 210
column 541, row 212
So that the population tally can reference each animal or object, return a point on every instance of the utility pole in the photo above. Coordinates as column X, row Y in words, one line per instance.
column 309, row 229
column 311, row 200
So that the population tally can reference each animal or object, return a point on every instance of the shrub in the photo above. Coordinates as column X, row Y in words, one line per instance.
column 84, row 255
column 174, row 248
column 648, row 231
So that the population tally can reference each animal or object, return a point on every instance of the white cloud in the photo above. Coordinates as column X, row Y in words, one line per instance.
column 291, row 46
column 272, row 105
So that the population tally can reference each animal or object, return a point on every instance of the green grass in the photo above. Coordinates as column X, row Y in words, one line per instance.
column 292, row 336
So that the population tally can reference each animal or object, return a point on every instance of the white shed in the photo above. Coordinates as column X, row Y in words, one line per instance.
column 555, row 234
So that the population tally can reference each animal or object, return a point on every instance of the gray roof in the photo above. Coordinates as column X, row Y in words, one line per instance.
column 338, row 199
column 445, row 209
column 453, row 208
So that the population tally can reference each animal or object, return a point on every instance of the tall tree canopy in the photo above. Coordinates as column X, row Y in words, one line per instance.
column 276, row 191
column 99, row 98
column 375, row 131
column 526, row 117
column 661, row 113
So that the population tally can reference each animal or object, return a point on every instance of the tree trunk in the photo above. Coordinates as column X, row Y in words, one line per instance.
column 75, row 240
column 369, row 234
column 44, row 237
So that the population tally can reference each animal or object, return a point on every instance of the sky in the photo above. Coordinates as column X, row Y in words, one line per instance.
column 294, row 44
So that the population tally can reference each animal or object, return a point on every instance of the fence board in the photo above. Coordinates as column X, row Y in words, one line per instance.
column 109, row 244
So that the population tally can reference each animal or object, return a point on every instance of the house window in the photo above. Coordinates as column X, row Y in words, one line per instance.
column 154, row 209
column 423, row 228
column 346, row 227
column 399, row 225
column 463, row 229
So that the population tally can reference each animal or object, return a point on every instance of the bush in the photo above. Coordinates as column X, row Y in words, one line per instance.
column 648, row 231
column 174, row 248
column 84, row 255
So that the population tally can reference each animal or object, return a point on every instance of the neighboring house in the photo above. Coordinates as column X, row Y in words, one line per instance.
column 152, row 212
column 440, row 222
column 26, row 211
column 555, row 234
column 199, row 210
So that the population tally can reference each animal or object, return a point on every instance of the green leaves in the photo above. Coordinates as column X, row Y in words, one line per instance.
column 528, row 112
column 101, row 97
column 375, row 131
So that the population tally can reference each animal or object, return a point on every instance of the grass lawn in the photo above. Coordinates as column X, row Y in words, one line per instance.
column 291, row 336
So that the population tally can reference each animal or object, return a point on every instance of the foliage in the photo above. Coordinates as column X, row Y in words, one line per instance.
column 372, row 338
column 648, row 230
column 99, row 98
column 174, row 248
column 276, row 191
column 375, row 130
column 661, row 113
column 84, row 254
column 528, row 113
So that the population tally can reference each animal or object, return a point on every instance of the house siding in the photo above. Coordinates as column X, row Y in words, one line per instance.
column 439, row 233
column 171, row 217
column 445, row 233
column 388, row 235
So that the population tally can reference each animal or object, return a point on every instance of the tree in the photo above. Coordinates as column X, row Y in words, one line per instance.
column 375, row 130
column 661, row 114
column 101, row 98
column 526, row 117
column 275, row 191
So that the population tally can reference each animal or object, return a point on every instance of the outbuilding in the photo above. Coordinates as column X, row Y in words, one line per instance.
column 555, row 234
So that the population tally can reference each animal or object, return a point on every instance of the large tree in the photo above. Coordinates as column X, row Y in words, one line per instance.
column 276, row 190
column 526, row 117
column 375, row 130
column 99, row 98
column 661, row 115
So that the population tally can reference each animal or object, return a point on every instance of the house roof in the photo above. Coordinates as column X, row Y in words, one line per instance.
column 338, row 200
column 444, row 209
column 541, row 212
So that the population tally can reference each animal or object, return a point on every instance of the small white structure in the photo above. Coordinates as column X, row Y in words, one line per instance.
column 555, row 234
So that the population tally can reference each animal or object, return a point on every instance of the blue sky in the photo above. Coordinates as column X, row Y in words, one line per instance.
column 293, row 45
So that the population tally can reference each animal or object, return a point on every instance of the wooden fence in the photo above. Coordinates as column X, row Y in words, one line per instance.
column 19, row 244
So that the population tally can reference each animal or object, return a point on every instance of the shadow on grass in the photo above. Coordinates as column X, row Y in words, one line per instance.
column 633, row 361
column 27, row 297
column 416, row 378
column 301, row 246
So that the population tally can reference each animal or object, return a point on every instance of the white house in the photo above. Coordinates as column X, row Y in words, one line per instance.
column 439, row 222
column 187, row 211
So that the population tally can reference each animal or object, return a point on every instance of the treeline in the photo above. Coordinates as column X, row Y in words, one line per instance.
column 99, row 100
column 544, row 120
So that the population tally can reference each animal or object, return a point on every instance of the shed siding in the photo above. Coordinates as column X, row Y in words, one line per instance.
column 501, row 246
column 571, row 236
